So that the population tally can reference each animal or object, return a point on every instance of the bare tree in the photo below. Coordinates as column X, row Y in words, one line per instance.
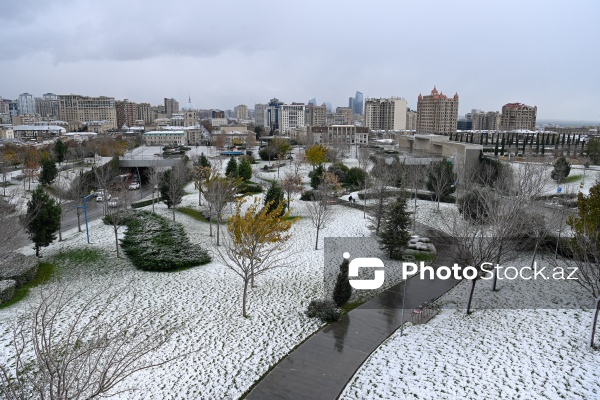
column 219, row 192
column 172, row 185
column 153, row 176
column 257, row 243
column 413, row 176
column 83, row 341
column 117, row 213
column 200, row 174
column 441, row 179
column 292, row 183
column 364, row 161
column 384, row 178
column 320, row 210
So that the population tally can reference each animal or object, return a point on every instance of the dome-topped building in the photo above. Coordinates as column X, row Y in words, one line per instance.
column 189, row 106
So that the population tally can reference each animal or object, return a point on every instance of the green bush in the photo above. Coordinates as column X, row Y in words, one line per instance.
column 307, row 195
column 325, row 310
column 145, row 203
column 251, row 188
column 155, row 243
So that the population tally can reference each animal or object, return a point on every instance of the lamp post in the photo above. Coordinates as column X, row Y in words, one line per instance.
column 87, row 229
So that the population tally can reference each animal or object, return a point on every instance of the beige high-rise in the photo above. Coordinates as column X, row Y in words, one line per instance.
column 518, row 116
column 437, row 113
column 385, row 114
column 76, row 109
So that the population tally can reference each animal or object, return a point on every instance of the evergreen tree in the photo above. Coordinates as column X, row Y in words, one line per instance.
column 42, row 219
column 203, row 161
column 342, row 290
column 274, row 197
column 232, row 168
column 561, row 170
column 49, row 172
column 60, row 149
column 245, row 169
column 394, row 233
column 316, row 176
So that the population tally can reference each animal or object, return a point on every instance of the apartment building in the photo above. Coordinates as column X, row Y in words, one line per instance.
column 486, row 121
column 385, row 114
column 260, row 111
column 48, row 106
column 126, row 113
column 144, row 112
column 171, row 107
column 315, row 115
column 291, row 116
column 411, row 120
column 76, row 109
column 241, row 111
column 337, row 134
column 518, row 116
column 437, row 113
column 26, row 104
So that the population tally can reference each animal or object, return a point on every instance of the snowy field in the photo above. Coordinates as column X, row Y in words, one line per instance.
column 227, row 353
column 490, row 354
column 527, row 354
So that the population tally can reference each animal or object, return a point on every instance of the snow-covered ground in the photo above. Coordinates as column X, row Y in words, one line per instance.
column 525, row 354
column 490, row 354
column 227, row 353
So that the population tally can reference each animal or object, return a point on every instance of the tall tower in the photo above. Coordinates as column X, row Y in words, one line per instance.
column 358, row 103
column 437, row 113
column 26, row 104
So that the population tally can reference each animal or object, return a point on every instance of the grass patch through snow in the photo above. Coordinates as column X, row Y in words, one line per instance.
column 45, row 272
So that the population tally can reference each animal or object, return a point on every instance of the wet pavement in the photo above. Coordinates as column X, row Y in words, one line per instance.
column 320, row 368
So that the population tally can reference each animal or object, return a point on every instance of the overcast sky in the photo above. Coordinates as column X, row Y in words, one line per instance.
column 225, row 53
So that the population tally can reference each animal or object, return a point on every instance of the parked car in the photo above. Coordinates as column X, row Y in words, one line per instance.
column 101, row 195
column 114, row 202
column 134, row 186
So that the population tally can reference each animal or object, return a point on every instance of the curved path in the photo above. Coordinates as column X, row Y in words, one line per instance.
column 320, row 368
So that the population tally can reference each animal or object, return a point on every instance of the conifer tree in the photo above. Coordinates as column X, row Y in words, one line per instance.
column 232, row 168
column 42, row 219
column 49, row 172
column 245, row 170
column 342, row 290
column 394, row 233
column 561, row 170
column 274, row 197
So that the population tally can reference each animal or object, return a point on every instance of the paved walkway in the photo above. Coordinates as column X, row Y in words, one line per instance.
column 320, row 368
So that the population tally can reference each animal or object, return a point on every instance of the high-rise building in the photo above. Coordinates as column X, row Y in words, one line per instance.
column 346, row 115
column 411, row 120
column 126, row 113
column 385, row 114
column 486, row 121
column 437, row 113
column 358, row 103
column 315, row 115
column 171, row 107
column 241, row 111
column 518, row 116
column 26, row 104
column 272, row 114
column 312, row 101
column 48, row 106
column 78, row 109
column 351, row 103
column 260, row 111
column 291, row 116
column 145, row 113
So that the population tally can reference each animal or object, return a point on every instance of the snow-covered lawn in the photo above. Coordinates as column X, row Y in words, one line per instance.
column 227, row 353
column 491, row 354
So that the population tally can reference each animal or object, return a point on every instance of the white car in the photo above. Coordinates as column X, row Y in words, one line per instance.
column 113, row 203
column 134, row 186
column 101, row 196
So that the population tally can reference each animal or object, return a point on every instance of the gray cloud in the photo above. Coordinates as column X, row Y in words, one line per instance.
column 231, row 52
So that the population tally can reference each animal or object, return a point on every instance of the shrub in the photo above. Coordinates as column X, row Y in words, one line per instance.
column 340, row 171
column 356, row 176
column 155, row 243
column 308, row 195
column 246, row 187
column 325, row 310
column 475, row 206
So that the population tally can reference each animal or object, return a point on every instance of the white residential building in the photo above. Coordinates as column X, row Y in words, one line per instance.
column 291, row 116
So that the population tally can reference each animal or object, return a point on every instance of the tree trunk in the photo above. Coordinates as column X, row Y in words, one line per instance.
column 244, row 314
column 218, row 223
column 595, row 321
column 471, row 296
column 199, row 197
column 173, row 212
column 495, row 281
column 37, row 251
column 117, row 242
column 152, row 201
column 210, row 222
column 317, row 240
column 79, row 219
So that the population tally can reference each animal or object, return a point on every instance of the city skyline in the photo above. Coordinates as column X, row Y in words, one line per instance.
column 491, row 54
